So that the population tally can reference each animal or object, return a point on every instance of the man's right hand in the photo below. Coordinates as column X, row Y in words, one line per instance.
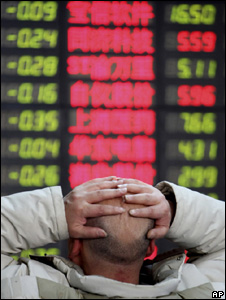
column 83, row 202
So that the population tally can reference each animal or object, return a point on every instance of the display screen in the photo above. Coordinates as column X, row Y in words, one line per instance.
column 128, row 88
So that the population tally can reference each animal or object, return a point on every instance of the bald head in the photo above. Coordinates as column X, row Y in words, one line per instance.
column 126, row 241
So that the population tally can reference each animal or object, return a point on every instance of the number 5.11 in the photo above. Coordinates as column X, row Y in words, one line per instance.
column 198, row 68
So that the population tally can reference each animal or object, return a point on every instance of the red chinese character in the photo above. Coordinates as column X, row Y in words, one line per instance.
column 101, row 169
column 142, row 68
column 121, row 147
column 83, row 120
column 124, row 170
column 79, row 173
column 100, row 121
column 100, row 93
column 79, row 38
column 80, row 147
column 121, row 121
column 121, row 66
column 121, row 40
column 143, row 94
column 142, row 13
column 73, row 65
column 100, row 12
column 144, row 121
column 143, row 149
column 101, row 68
column 121, row 13
column 101, row 148
column 144, row 36
column 145, row 172
column 122, row 93
column 79, row 94
column 79, row 11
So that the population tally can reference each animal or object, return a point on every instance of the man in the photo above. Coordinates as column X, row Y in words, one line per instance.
column 193, row 220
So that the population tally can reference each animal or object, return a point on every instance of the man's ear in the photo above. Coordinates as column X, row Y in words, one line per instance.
column 75, row 251
column 151, row 248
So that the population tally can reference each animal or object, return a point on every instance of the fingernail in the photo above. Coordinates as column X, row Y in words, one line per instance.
column 133, row 212
column 122, row 185
column 150, row 236
column 102, row 233
column 120, row 182
column 128, row 197
column 120, row 209
column 123, row 190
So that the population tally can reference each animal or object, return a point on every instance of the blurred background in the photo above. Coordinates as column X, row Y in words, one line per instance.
column 128, row 88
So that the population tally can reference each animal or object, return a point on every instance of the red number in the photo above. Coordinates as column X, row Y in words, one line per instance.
column 183, row 41
column 196, row 95
column 196, row 41
column 209, row 41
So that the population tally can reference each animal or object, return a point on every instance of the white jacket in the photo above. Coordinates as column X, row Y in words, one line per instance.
column 34, row 219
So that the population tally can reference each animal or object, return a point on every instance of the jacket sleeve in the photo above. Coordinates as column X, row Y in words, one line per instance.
column 199, row 222
column 32, row 219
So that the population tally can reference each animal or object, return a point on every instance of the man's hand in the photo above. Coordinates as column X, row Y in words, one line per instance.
column 158, row 208
column 82, row 203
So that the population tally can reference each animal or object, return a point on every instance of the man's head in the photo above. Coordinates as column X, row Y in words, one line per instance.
column 126, row 242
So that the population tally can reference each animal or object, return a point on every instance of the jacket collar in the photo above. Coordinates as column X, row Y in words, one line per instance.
column 166, row 275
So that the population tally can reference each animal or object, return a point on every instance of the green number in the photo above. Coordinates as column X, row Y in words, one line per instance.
column 38, row 120
column 50, row 251
column 38, row 148
column 48, row 93
column 24, row 65
column 52, row 120
column 193, row 14
column 197, row 177
column 180, row 14
column 197, row 122
column 36, row 10
column 51, row 36
column 37, row 66
column 36, row 39
column 184, row 68
column 26, row 120
column 50, row 10
column 26, row 174
column 210, row 175
column 199, row 72
column 192, row 150
column 28, row 38
column 213, row 150
column 208, row 14
column 37, row 251
column 24, row 36
column 25, row 149
column 25, row 92
column 213, row 195
column 39, row 175
column 53, row 147
column 50, row 66
column 52, row 176
column 23, row 10
column 212, row 69
column 209, row 123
